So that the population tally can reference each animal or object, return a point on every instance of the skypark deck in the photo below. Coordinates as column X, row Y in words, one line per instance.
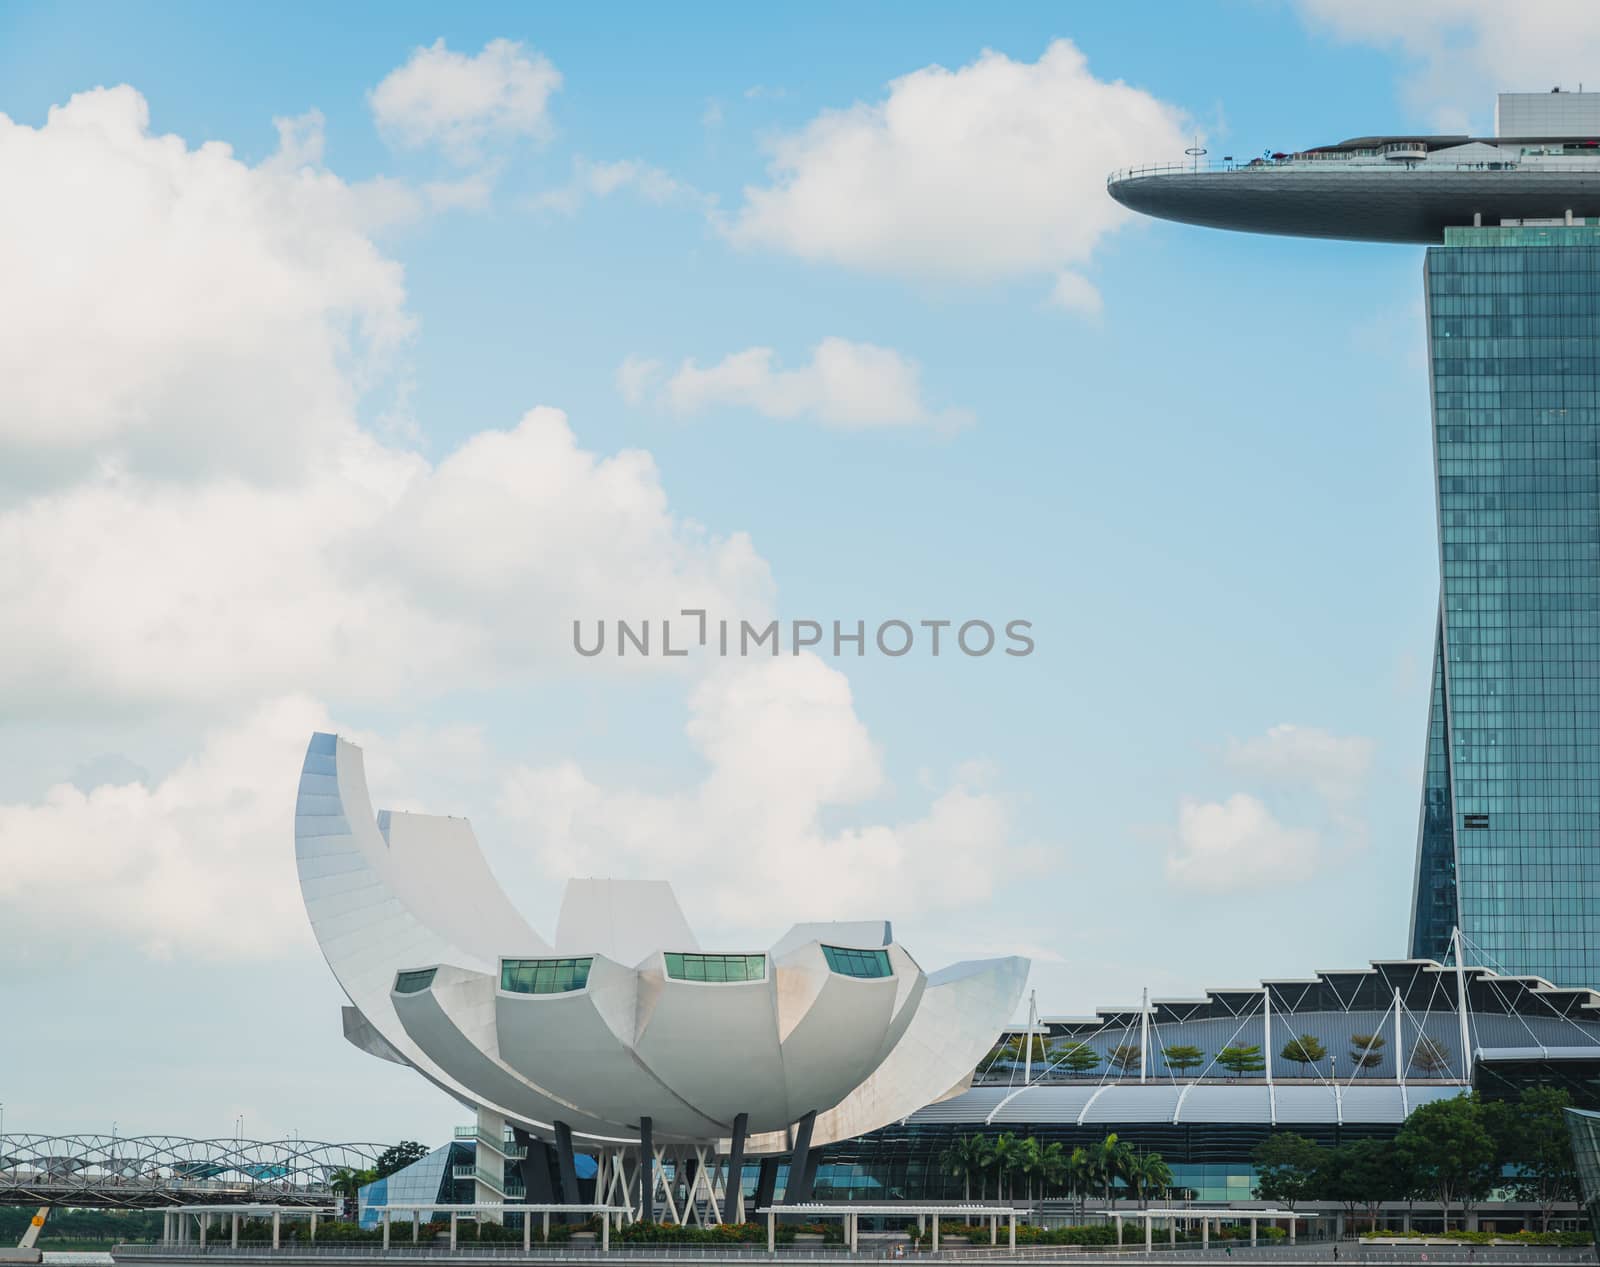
column 1365, row 201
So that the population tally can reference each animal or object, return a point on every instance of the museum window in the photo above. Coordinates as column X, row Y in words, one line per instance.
column 544, row 976
column 414, row 982
column 716, row 968
column 858, row 963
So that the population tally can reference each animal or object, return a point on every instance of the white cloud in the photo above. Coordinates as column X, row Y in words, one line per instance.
column 1459, row 53
column 783, row 746
column 1335, row 766
column 378, row 573
column 458, row 103
column 195, row 864
column 602, row 179
column 636, row 377
column 1238, row 844
column 1076, row 293
column 1242, row 843
column 847, row 385
column 175, row 310
column 994, row 170
column 197, row 514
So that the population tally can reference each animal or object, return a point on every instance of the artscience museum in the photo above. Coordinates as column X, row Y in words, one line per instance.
column 622, row 1037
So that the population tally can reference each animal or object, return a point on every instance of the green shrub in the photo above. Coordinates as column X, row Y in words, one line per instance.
column 721, row 1234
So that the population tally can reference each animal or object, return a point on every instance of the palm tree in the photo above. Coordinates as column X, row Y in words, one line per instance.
column 1080, row 1176
column 1053, row 1166
column 1004, row 1161
column 964, row 1157
column 1030, row 1162
column 348, row 1183
column 953, row 1162
column 1111, row 1157
column 1147, row 1173
column 981, row 1159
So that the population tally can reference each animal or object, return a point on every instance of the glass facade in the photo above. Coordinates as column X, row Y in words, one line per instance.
column 544, row 976
column 696, row 967
column 1509, row 845
column 858, row 963
column 414, row 982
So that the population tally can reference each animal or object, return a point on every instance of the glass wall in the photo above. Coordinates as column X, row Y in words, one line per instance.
column 695, row 967
column 1514, row 333
column 414, row 982
column 544, row 976
column 858, row 963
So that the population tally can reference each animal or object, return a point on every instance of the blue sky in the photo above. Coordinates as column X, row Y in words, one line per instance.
column 1204, row 479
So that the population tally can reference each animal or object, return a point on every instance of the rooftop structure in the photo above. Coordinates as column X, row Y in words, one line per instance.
column 1541, row 167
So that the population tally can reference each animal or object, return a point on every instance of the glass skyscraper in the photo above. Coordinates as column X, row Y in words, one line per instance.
column 1508, row 844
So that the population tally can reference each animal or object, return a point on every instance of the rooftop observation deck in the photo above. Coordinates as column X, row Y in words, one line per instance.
column 1377, row 189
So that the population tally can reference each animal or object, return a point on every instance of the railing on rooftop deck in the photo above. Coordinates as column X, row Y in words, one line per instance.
column 1364, row 164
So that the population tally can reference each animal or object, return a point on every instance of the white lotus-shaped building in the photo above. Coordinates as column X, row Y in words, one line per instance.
column 624, row 1029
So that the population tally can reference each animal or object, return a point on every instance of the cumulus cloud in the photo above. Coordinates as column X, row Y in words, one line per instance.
column 1238, row 844
column 381, row 572
column 197, row 513
column 994, row 170
column 637, row 377
column 1335, row 766
column 846, row 384
column 783, row 747
column 1241, row 842
column 458, row 103
column 1459, row 53
column 175, row 310
column 602, row 179
column 196, row 863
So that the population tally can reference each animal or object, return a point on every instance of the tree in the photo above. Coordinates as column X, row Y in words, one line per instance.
column 1287, row 1166
column 1237, row 1060
column 1147, row 1174
column 1305, row 1050
column 953, row 1162
column 1183, row 1058
column 978, row 1157
column 1112, row 1159
column 398, row 1157
column 1366, row 1050
column 1360, row 1173
column 1125, row 1056
column 1052, row 1167
column 1030, row 1162
column 1447, row 1147
column 1534, row 1140
column 1078, row 1057
column 1429, row 1056
column 1003, row 1159
column 348, row 1183
column 1080, row 1176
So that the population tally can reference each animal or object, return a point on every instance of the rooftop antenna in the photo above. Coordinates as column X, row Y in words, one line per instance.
column 1196, row 152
